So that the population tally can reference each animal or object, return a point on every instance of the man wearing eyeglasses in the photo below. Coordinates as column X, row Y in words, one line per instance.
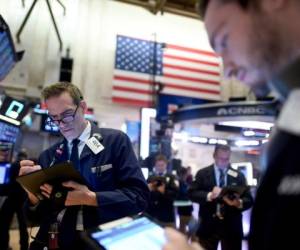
column 116, row 186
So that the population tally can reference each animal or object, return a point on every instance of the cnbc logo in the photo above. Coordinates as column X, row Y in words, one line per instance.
column 232, row 111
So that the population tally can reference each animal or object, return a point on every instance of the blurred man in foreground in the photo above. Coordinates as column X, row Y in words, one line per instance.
column 259, row 42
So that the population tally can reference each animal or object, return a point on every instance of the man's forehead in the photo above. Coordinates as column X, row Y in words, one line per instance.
column 214, row 19
column 58, row 108
column 219, row 12
column 222, row 153
column 60, row 100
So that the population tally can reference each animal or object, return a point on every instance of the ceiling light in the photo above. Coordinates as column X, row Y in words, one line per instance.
column 249, row 124
column 248, row 133
column 199, row 139
column 212, row 141
column 223, row 142
column 242, row 143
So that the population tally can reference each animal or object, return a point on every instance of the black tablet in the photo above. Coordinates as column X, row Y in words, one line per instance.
column 229, row 190
column 53, row 175
column 127, row 233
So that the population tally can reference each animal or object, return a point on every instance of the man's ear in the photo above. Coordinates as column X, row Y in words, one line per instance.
column 83, row 105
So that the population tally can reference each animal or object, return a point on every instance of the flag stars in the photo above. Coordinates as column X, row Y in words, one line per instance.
column 138, row 55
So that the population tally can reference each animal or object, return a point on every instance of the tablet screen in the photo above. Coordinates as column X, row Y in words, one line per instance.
column 137, row 234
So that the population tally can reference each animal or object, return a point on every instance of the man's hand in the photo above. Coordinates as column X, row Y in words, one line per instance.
column 236, row 202
column 46, row 190
column 177, row 241
column 215, row 192
column 80, row 195
column 162, row 188
column 26, row 167
column 152, row 186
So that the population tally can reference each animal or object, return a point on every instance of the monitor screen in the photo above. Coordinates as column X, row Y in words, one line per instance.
column 45, row 126
column 8, row 56
column 4, row 173
column 8, row 132
column 6, row 151
column 13, row 110
column 137, row 234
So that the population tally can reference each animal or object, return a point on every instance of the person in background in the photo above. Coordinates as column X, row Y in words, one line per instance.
column 185, row 210
column 259, row 41
column 189, row 178
column 163, row 191
column 220, row 217
column 104, row 157
column 14, row 204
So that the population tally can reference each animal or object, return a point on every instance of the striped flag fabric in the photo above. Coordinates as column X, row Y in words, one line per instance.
column 180, row 71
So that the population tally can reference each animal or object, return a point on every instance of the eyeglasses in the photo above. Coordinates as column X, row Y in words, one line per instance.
column 65, row 120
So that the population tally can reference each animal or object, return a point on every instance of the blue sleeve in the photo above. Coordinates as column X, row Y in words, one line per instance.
column 132, row 193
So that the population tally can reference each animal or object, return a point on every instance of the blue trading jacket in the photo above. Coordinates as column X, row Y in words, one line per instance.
column 114, row 174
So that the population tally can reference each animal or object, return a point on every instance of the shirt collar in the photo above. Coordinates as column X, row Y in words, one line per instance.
column 85, row 135
column 158, row 173
column 217, row 169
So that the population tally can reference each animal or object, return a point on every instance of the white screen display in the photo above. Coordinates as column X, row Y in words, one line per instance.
column 4, row 173
column 134, row 235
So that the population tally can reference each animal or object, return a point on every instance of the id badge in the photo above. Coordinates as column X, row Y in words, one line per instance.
column 94, row 145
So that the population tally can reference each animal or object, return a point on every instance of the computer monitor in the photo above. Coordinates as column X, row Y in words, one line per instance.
column 8, row 55
column 8, row 132
column 45, row 127
column 6, row 151
column 7, row 51
column 13, row 110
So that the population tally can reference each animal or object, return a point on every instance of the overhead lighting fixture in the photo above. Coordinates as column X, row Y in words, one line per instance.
column 248, row 133
column 243, row 143
column 249, row 124
column 212, row 141
column 223, row 142
column 199, row 139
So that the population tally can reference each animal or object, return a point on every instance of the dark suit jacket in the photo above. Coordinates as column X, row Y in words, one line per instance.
column 201, row 186
column 114, row 174
column 275, row 215
column 161, row 205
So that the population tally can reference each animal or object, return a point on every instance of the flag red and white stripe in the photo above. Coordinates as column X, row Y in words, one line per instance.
column 186, row 72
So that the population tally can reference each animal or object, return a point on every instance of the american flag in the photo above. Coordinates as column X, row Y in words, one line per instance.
column 181, row 71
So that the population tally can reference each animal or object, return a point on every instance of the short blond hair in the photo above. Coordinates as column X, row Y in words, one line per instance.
column 57, row 89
